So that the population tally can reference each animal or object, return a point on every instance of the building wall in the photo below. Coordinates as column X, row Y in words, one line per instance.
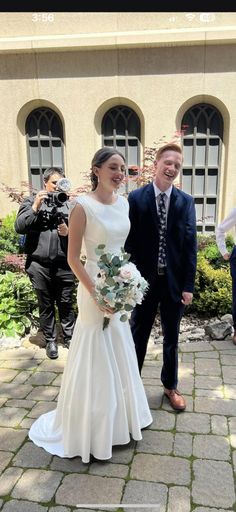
column 159, row 79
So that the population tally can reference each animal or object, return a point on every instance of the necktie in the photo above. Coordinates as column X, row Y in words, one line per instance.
column 162, row 231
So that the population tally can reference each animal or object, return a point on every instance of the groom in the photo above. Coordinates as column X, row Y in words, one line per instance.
column 162, row 244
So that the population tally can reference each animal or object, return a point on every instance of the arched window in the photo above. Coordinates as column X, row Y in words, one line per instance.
column 202, row 125
column 44, row 135
column 121, row 130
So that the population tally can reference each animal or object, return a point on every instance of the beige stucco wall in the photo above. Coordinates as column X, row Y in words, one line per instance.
column 159, row 81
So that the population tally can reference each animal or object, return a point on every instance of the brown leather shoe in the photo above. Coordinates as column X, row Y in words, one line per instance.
column 177, row 401
column 234, row 338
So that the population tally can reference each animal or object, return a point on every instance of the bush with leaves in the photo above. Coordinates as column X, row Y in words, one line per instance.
column 9, row 239
column 18, row 305
column 213, row 289
column 12, row 262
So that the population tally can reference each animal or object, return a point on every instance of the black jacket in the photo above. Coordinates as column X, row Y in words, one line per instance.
column 42, row 241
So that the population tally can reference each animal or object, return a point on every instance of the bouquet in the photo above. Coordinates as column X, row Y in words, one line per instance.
column 118, row 285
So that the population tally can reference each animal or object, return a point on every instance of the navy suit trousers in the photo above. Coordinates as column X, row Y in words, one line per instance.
column 142, row 319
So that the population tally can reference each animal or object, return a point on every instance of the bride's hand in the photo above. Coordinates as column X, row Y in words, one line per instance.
column 104, row 309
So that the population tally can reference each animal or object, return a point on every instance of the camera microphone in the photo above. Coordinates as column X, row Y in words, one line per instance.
column 64, row 185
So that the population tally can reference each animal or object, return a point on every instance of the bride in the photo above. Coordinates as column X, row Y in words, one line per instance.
column 102, row 399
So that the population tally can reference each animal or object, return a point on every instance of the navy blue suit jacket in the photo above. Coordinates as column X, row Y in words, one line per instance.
column 143, row 239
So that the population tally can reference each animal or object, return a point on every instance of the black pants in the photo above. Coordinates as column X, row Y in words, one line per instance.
column 142, row 319
column 53, row 283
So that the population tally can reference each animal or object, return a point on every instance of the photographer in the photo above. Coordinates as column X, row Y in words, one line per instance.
column 44, row 218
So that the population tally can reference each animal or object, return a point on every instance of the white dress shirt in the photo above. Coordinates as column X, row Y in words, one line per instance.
column 167, row 192
column 224, row 226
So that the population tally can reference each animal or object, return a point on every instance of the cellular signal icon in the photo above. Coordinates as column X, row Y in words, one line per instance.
column 190, row 16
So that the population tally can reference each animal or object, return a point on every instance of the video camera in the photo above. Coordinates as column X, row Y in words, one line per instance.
column 58, row 198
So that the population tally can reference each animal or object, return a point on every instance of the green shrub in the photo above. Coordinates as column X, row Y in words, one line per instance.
column 9, row 239
column 18, row 304
column 213, row 289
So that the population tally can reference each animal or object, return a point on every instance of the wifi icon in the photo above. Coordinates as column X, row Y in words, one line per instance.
column 190, row 16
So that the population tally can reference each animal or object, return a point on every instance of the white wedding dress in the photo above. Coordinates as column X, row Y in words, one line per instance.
column 102, row 399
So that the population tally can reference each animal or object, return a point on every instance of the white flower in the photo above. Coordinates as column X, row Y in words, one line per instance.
column 118, row 284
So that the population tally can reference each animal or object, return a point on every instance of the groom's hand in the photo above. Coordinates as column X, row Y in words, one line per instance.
column 187, row 298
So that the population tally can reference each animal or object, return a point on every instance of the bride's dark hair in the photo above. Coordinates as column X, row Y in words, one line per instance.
column 101, row 156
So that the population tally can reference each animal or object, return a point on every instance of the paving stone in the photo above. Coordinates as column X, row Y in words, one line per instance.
column 41, row 378
column 11, row 439
column 47, row 484
column 154, row 396
column 211, row 447
column 41, row 408
column 15, row 390
column 213, row 484
column 20, row 364
column 234, row 460
column 183, row 445
column 153, row 443
column 5, row 459
column 179, row 499
column 229, row 374
column 203, row 509
column 230, row 391
column 12, row 416
column 8, row 479
column 145, row 493
column 88, row 489
column 219, row 425
column 17, row 353
column 222, row 344
column 52, row 365
column 107, row 469
column 57, row 381
column 215, row 406
column 2, row 401
column 207, row 367
column 163, row 420
column 151, row 372
column 186, row 385
column 188, row 358
column 74, row 465
column 207, row 355
column 161, row 468
column 196, row 347
column 151, row 382
column 232, row 431
column 61, row 509
column 193, row 422
column 7, row 375
column 185, row 370
column 22, row 377
column 208, row 382
column 27, row 422
column 23, row 506
column 123, row 454
column 13, row 402
column 210, row 393
column 31, row 456
column 43, row 393
column 228, row 359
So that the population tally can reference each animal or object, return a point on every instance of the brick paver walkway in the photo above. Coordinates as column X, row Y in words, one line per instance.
column 186, row 461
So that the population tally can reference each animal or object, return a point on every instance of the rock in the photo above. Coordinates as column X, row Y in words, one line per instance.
column 218, row 330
